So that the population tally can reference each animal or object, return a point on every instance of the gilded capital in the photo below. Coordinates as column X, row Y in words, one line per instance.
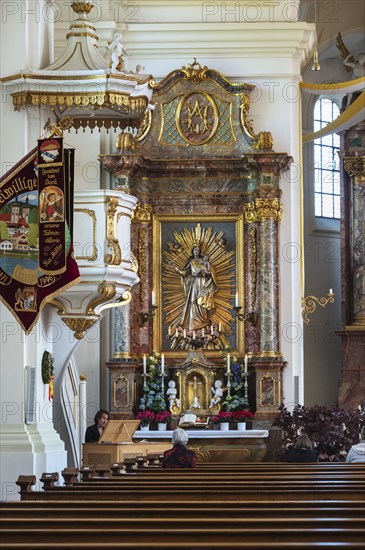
column 263, row 209
column 355, row 167
column 142, row 214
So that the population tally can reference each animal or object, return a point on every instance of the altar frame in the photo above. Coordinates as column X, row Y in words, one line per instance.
column 159, row 228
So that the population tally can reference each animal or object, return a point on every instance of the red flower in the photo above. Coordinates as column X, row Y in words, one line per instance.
column 243, row 416
column 163, row 416
column 146, row 417
column 223, row 416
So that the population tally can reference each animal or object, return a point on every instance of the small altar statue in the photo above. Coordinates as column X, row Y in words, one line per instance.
column 119, row 54
column 171, row 393
column 217, row 393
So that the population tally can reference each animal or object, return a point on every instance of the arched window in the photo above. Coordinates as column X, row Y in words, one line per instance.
column 326, row 162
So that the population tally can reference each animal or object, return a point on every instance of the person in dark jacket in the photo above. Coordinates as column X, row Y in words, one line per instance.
column 302, row 451
column 94, row 432
column 179, row 456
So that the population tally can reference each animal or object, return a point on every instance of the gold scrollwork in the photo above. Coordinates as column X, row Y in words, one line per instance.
column 263, row 209
column 195, row 72
column 145, row 126
column 125, row 142
column 262, row 141
column 106, row 292
column 197, row 118
column 309, row 304
column 115, row 257
column 94, row 254
column 79, row 325
column 142, row 264
column 355, row 167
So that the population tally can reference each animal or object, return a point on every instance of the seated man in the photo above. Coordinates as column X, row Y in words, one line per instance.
column 179, row 456
column 93, row 432
column 357, row 452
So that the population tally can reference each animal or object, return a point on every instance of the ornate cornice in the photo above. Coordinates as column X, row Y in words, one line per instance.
column 142, row 213
column 263, row 209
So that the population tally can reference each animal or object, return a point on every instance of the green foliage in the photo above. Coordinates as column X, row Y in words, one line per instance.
column 4, row 233
column 47, row 367
column 236, row 401
column 33, row 234
column 153, row 398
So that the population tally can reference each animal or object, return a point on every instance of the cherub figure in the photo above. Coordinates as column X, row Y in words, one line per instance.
column 356, row 65
column 119, row 54
column 171, row 393
column 217, row 393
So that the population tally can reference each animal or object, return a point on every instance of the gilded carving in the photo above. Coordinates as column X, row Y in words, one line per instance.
column 262, row 140
column 355, row 167
column 79, row 325
column 106, row 292
column 197, row 118
column 195, row 72
column 142, row 264
column 125, row 142
column 263, row 209
column 115, row 256
column 142, row 213
column 145, row 126
column 82, row 7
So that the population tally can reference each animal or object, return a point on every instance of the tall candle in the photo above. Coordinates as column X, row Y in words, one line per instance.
column 203, row 333
column 228, row 363
column 144, row 364
column 162, row 363
column 331, row 291
column 211, row 329
column 193, row 334
column 169, row 330
column 236, row 300
column 153, row 298
column 220, row 327
column 184, row 333
column 246, row 363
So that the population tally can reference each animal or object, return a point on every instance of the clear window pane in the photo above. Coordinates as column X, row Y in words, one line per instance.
column 326, row 162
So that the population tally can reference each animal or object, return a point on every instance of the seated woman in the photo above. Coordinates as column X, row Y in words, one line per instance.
column 94, row 432
column 179, row 456
column 302, row 451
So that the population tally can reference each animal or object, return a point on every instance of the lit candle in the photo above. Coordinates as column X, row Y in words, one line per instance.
column 211, row 329
column 169, row 330
column 236, row 300
column 203, row 333
column 162, row 363
column 331, row 292
column 176, row 333
column 184, row 333
column 153, row 298
column 246, row 363
column 193, row 334
column 228, row 363
column 220, row 327
column 144, row 364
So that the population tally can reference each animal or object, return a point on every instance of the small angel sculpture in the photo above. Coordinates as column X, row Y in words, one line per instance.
column 171, row 393
column 119, row 54
column 356, row 65
column 217, row 393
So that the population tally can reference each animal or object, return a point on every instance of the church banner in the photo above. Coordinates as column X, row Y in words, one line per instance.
column 24, row 286
column 51, row 191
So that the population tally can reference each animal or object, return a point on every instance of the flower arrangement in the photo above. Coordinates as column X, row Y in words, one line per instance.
column 332, row 430
column 153, row 399
column 146, row 417
column 223, row 416
column 243, row 416
column 163, row 417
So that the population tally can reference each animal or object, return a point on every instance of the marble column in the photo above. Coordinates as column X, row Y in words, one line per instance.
column 355, row 166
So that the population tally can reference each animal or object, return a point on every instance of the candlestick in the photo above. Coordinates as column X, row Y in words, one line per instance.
column 246, row 362
column 144, row 365
column 228, row 363
column 153, row 298
column 236, row 300
column 162, row 363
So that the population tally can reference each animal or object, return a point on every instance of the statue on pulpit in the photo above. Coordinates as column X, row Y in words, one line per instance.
column 199, row 283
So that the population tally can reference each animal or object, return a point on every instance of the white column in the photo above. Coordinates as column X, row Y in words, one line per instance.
column 82, row 414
